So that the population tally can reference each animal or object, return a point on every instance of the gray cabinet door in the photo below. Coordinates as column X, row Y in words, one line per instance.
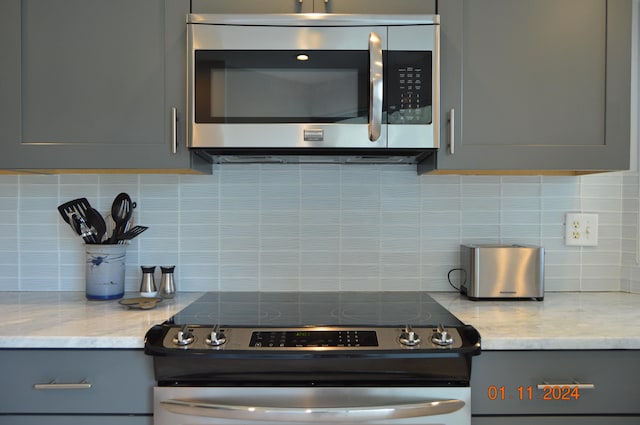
column 76, row 420
column 505, row 383
column 116, row 382
column 89, row 84
column 535, row 84
column 555, row 420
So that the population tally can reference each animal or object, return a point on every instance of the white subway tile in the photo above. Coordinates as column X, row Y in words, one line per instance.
column 321, row 227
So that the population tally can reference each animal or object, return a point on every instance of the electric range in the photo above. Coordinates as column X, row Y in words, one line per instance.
column 313, row 358
column 317, row 338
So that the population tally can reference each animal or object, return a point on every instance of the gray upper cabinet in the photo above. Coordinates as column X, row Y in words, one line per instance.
column 90, row 84
column 536, row 85
column 314, row 6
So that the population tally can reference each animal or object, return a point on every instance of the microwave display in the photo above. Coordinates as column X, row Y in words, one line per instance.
column 317, row 86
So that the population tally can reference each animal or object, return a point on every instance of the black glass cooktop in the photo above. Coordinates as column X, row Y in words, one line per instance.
column 297, row 309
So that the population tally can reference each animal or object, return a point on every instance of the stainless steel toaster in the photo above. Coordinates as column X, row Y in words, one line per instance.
column 502, row 271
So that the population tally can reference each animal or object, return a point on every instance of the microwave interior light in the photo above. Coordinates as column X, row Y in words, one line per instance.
column 302, row 57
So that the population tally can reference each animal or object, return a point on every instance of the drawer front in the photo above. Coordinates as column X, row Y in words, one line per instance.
column 76, row 381
column 75, row 420
column 506, row 382
column 556, row 420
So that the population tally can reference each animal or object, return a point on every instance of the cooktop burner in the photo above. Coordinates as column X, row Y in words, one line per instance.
column 297, row 309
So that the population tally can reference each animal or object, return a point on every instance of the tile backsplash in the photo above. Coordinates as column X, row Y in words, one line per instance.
column 321, row 227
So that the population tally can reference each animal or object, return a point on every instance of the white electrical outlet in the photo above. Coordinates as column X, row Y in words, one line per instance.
column 581, row 229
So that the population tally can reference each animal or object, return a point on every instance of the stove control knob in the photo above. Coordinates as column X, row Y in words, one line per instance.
column 409, row 338
column 184, row 337
column 217, row 337
column 441, row 337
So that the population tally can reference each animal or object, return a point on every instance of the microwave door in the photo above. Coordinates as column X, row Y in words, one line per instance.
column 292, row 87
column 413, row 86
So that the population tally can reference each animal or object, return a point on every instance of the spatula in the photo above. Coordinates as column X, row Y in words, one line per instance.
column 78, row 206
column 132, row 233
column 121, row 211
column 97, row 223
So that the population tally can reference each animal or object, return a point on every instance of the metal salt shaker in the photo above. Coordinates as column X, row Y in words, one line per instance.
column 148, row 285
column 167, row 283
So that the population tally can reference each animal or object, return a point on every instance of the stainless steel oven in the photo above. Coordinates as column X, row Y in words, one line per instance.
column 313, row 83
column 299, row 358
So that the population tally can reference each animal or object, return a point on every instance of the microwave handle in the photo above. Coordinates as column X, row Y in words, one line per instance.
column 375, row 94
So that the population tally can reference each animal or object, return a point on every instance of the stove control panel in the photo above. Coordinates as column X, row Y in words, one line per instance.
column 201, row 337
column 313, row 338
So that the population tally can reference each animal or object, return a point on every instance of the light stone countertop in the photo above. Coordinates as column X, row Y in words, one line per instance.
column 564, row 320
column 69, row 320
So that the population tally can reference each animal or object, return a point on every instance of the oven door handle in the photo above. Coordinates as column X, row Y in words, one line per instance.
column 312, row 414
column 375, row 80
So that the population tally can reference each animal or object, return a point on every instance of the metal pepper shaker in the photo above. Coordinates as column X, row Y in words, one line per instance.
column 167, row 283
column 148, row 285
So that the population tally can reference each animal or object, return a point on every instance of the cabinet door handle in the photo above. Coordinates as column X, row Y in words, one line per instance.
column 174, row 130
column 572, row 385
column 53, row 385
column 451, row 120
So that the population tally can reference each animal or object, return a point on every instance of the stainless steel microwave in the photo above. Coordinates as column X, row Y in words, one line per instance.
column 313, row 84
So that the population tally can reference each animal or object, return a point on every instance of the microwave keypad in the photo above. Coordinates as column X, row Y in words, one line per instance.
column 410, row 84
column 409, row 88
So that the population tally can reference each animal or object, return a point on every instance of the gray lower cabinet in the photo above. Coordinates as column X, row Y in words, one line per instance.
column 556, row 420
column 91, row 84
column 75, row 420
column 315, row 6
column 76, row 386
column 504, row 387
column 535, row 85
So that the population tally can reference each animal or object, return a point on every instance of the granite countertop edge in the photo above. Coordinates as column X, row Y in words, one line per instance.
column 563, row 321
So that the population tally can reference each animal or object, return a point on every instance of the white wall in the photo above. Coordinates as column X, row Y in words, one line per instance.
column 320, row 227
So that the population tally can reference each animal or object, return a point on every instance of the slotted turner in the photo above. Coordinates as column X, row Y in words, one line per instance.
column 78, row 206
column 132, row 233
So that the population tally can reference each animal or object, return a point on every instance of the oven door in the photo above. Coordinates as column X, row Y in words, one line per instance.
column 286, row 87
column 304, row 405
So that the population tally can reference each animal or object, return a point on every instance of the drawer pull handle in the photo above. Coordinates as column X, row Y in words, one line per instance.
column 572, row 385
column 84, row 385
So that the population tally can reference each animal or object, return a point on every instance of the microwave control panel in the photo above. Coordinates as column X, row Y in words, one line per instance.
column 409, row 95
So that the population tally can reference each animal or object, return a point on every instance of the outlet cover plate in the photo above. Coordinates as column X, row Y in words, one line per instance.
column 581, row 229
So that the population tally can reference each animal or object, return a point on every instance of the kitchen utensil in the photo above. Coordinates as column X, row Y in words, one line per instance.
column 82, row 228
column 131, row 233
column 74, row 222
column 96, row 222
column 79, row 206
column 121, row 211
